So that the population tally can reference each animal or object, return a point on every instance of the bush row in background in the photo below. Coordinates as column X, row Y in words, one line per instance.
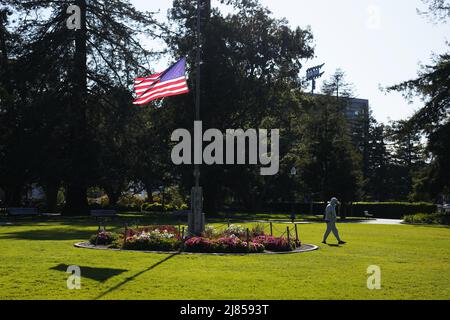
column 427, row 218
column 156, row 207
column 391, row 210
column 386, row 210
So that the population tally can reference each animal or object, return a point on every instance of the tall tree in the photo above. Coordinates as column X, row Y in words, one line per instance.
column 376, row 186
column 338, row 86
column 433, row 85
column 329, row 163
column 103, row 54
column 438, row 10
column 251, row 62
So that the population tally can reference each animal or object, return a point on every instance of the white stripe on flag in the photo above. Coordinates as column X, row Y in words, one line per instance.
column 164, row 93
column 160, row 85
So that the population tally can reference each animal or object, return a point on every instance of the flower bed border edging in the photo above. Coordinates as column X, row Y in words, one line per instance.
column 303, row 248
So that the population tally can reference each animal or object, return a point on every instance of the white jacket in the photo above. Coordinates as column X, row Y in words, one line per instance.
column 330, row 213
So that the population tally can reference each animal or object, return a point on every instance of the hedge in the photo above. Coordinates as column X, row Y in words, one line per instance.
column 426, row 218
column 391, row 210
column 386, row 210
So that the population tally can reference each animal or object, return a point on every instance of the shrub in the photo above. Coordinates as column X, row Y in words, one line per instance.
column 387, row 210
column 169, row 207
column 183, row 207
column 153, row 238
column 390, row 210
column 152, row 207
column 130, row 202
column 103, row 238
column 152, row 244
column 276, row 244
column 222, row 245
column 235, row 230
column 258, row 230
column 210, row 232
column 426, row 218
column 197, row 244
column 155, row 230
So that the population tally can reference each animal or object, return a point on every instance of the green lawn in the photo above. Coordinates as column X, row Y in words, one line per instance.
column 414, row 261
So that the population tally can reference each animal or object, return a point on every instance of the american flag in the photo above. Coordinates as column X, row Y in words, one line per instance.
column 168, row 83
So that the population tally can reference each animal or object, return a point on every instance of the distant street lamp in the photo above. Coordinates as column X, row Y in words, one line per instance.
column 161, row 192
column 293, row 171
column 293, row 174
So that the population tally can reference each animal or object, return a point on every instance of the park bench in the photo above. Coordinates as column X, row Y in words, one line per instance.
column 367, row 214
column 444, row 208
column 22, row 212
column 101, row 214
column 181, row 213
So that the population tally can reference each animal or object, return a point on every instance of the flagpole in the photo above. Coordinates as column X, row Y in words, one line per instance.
column 197, row 88
column 196, row 221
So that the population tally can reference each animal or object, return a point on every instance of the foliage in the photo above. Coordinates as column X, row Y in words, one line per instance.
column 152, row 207
column 438, row 10
column 152, row 244
column 337, row 85
column 234, row 239
column 71, row 89
column 328, row 164
column 395, row 157
column 130, row 202
column 152, row 238
column 210, row 232
column 222, row 245
column 103, row 238
column 258, row 230
column 427, row 218
column 250, row 68
column 275, row 244
column 435, row 178
column 235, row 230
column 391, row 210
column 376, row 173
column 75, row 83
column 433, row 85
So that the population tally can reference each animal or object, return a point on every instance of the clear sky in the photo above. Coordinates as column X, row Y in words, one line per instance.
column 376, row 42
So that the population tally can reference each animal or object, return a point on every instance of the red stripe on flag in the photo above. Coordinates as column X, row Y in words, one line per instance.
column 163, row 93
column 142, row 90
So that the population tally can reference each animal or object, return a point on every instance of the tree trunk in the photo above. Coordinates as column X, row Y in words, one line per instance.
column 51, row 194
column 210, row 199
column 13, row 195
column 113, row 196
column 76, row 200
column 76, row 197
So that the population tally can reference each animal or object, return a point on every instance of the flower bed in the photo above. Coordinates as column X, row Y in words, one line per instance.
column 103, row 238
column 222, row 245
column 234, row 239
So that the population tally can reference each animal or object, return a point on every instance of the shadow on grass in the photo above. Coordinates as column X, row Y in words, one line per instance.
column 48, row 234
column 117, row 286
column 334, row 245
column 98, row 274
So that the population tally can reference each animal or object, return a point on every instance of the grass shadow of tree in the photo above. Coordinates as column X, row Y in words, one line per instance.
column 135, row 276
column 54, row 234
column 98, row 274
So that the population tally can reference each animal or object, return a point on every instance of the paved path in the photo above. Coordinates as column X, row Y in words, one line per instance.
column 383, row 221
column 371, row 221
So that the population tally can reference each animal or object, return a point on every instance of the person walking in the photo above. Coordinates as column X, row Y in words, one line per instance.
column 330, row 219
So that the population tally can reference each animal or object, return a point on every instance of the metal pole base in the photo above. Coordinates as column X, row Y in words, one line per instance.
column 196, row 220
